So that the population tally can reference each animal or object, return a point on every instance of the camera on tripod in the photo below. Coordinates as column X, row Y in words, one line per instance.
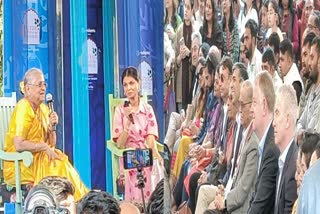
column 138, row 159
column 41, row 200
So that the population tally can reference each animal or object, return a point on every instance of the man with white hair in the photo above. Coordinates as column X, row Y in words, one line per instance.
column 195, row 46
column 285, row 116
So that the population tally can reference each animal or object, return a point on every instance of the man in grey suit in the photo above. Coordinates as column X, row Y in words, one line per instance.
column 285, row 117
column 263, row 197
column 237, row 199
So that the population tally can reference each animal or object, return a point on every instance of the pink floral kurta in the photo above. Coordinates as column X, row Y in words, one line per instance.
column 144, row 124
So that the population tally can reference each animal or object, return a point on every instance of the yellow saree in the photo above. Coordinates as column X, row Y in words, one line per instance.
column 33, row 126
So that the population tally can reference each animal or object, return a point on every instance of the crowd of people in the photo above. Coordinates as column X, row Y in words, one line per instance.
column 244, row 132
column 55, row 194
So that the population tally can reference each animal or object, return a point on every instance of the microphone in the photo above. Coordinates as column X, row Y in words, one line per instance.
column 49, row 100
column 126, row 104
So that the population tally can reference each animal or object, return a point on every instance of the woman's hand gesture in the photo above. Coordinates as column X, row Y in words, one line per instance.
column 52, row 155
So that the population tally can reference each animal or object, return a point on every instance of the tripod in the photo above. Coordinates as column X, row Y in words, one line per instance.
column 141, row 185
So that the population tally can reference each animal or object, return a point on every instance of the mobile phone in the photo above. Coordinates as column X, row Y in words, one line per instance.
column 138, row 158
column 181, row 42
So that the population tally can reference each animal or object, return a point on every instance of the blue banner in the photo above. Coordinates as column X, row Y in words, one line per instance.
column 96, row 94
column 30, row 41
column 140, row 43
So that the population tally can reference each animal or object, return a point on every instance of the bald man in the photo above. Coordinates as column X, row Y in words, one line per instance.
column 127, row 207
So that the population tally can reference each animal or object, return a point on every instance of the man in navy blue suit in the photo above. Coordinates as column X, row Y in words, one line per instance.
column 285, row 117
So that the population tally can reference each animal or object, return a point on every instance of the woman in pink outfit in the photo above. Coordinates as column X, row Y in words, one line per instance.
column 135, row 126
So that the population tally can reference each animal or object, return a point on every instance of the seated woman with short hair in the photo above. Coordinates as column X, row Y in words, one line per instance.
column 31, row 129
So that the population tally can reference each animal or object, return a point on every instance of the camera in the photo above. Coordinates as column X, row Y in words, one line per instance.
column 138, row 158
column 41, row 200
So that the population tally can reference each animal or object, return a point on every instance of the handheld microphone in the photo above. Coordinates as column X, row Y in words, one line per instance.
column 49, row 100
column 126, row 104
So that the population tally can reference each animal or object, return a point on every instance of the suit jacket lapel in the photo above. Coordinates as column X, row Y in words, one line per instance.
column 269, row 138
column 286, row 164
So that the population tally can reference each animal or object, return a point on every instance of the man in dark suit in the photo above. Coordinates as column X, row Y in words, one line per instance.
column 263, row 197
column 285, row 116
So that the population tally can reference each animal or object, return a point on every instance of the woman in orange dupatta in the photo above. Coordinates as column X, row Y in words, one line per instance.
column 31, row 129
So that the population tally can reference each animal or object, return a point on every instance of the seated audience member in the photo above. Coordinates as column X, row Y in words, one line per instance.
column 274, row 44
column 177, row 122
column 285, row 117
column 127, row 207
column 211, row 30
column 288, row 69
column 203, row 152
column 252, row 53
column 313, row 23
column 308, row 146
column 204, row 50
column 195, row 50
column 63, row 190
column 237, row 199
column 263, row 26
column 289, row 24
column 183, row 57
column 305, row 55
column 32, row 129
column 183, row 148
column 242, row 57
column 262, row 109
column 273, row 19
column 309, row 119
column 224, row 162
column 183, row 164
column 305, row 70
column 306, row 150
column 135, row 126
column 42, row 199
column 269, row 64
column 156, row 200
column 308, row 201
column 306, row 8
column 98, row 202
column 316, row 154
column 230, row 32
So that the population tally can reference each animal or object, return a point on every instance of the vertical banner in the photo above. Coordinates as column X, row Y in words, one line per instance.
column 96, row 93
column 151, row 55
column 140, row 36
column 29, row 41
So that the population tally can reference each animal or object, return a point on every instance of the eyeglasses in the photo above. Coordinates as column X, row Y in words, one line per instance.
column 242, row 104
column 40, row 84
column 311, row 27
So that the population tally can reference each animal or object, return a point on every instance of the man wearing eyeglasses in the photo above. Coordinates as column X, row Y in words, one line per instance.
column 313, row 24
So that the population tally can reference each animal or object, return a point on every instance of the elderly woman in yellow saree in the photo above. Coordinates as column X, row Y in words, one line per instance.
column 31, row 129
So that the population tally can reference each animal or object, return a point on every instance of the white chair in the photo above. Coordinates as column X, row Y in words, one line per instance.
column 7, row 105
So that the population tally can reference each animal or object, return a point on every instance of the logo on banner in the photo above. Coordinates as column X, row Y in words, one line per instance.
column 92, row 57
column 31, row 28
column 146, row 78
